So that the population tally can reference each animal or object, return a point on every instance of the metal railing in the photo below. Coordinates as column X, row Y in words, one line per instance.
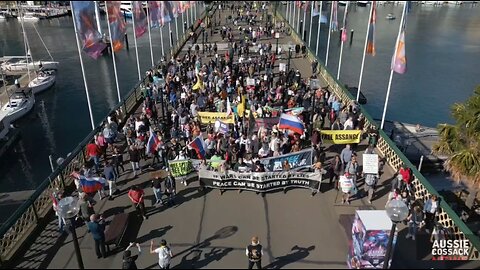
column 27, row 218
column 395, row 158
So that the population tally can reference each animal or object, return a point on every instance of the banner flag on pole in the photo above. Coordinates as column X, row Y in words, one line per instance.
column 399, row 59
column 344, row 29
column 371, row 31
column 199, row 145
column 158, row 14
column 117, row 24
column 316, row 9
column 140, row 18
column 335, row 16
column 93, row 44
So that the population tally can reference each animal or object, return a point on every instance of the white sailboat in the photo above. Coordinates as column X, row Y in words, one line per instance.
column 29, row 17
column 43, row 81
column 27, row 63
column 45, row 77
column 19, row 104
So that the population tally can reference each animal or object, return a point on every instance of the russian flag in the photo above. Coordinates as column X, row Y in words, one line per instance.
column 199, row 145
column 92, row 185
column 292, row 123
column 152, row 142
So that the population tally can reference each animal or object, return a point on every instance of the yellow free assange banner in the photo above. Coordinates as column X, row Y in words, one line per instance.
column 211, row 117
column 341, row 136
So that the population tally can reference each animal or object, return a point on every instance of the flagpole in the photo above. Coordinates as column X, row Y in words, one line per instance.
column 161, row 40
column 97, row 17
column 113, row 54
column 170, row 37
column 304, row 22
column 391, row 71
column 287, row 10
column 176, row 27
column 136, row 48
column 188, row 21
column 341, row 47
column 364, row 51
column 83, row 69
column 293, row 15
column 329, row 34
column 183, row 21
column 149, row 34
column 319, row 26
column 298, row 21
column 311, row 23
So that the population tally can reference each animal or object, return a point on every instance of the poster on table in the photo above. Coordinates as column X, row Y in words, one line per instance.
column 259, row 182
column 341, row 136
column 370, row 163
column 297, row 160
column 370, row 233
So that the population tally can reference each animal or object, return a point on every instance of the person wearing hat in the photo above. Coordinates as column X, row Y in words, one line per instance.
column 128, row 259
column 254, row 252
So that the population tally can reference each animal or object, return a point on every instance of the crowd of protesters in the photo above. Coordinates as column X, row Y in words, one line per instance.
column 219, row 81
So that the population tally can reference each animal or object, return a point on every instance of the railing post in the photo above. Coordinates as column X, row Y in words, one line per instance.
column 62, row 180
column 35, row 213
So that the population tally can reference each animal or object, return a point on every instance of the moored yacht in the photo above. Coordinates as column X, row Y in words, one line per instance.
column 19, row 104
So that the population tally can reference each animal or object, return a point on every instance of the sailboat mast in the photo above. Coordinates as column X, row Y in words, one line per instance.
column 97, row 17
column 26, row 46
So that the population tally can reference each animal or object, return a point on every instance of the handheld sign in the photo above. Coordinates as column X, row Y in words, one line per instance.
column 370, row 163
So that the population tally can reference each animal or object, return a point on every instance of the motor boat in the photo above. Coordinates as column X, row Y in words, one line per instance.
column 19, row 104
column 29, row 17
column 21, row 66
column 2, row 17
column 43, row 81
column 390, row 16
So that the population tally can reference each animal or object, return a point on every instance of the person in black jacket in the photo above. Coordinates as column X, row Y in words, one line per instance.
column 254, row 252
column 128, row 259
column 170, row 188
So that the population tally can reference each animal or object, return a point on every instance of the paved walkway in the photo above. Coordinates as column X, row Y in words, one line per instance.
column 209, row 230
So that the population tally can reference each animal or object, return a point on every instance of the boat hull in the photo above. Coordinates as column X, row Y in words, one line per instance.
column 38, row 87
column 18, row 113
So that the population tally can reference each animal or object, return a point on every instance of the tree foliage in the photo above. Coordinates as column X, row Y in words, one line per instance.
column 461, row 141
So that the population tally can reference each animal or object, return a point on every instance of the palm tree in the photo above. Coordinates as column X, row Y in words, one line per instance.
column 461, row 144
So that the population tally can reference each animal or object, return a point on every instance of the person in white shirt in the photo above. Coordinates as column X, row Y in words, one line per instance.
column 164, row 254
column 347, row 186
column 348, row 125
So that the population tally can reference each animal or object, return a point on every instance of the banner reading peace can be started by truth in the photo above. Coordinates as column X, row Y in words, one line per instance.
column 341, row 136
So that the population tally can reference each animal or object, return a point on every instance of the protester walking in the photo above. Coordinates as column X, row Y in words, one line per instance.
column 254, row 252
column 136, row 195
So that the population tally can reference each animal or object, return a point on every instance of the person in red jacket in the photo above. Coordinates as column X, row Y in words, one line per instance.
column 93, row 152
column 136, row 195
column 406, row 174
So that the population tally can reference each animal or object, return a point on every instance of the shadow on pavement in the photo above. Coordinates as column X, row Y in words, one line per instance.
column 299, row 253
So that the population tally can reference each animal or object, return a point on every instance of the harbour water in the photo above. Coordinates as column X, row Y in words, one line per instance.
column 442, row 43
column 60, row 119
